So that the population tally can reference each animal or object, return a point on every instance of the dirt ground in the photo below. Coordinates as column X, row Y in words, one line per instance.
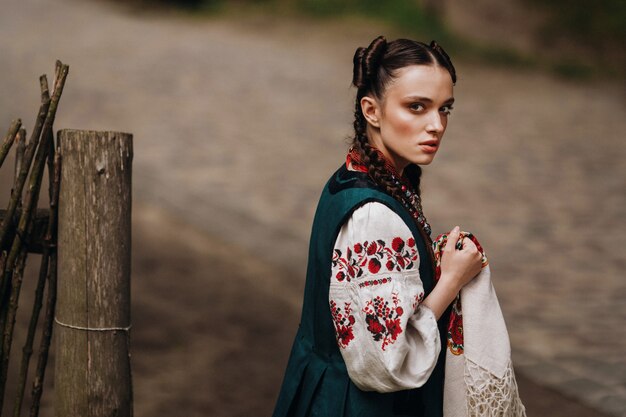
column 217, row 347
column 244, row 350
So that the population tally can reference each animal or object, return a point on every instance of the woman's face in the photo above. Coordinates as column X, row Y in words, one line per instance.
column 407, row 127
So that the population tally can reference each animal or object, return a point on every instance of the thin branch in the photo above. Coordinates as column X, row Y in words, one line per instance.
column 27, row 350
column 4, row 303
column 52, row 288
column 19, row 248
column 19, row 154
column 36, row 175
column 48, row 247
column 34, row 181
column 58, row 67
column 9, row 139
column 16, row 193
column 17, row 276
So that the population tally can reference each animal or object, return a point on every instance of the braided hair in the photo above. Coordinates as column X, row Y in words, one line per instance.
column 374, row 67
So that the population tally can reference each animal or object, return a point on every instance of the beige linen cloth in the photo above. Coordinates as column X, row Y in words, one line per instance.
column 479, row 377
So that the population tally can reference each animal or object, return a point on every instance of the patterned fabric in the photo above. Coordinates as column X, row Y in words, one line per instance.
column 343, row 321
column 455, row 328
column 480, row 380
column 383, row 320
column 388, row 340
column 371, row 255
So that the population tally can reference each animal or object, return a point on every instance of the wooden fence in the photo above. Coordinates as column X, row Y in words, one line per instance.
column 84, row 275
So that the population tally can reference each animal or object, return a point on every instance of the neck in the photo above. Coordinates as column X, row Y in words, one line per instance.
column 397, row 162
column 354, row 157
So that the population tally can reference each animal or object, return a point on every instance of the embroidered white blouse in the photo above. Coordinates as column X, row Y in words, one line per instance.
column 388, row 339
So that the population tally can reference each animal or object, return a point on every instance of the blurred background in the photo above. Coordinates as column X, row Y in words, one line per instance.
column 240, row 112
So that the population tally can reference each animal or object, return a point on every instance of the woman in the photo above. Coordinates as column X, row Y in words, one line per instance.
column 371, row 336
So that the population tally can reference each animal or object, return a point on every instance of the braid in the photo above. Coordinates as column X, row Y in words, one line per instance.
column 414, row 173
column 375, row 165
column 367, row 65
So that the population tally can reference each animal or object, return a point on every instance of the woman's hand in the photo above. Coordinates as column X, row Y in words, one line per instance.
column 459, row 266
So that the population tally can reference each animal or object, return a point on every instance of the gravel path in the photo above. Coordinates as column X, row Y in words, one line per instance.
column 238, row 123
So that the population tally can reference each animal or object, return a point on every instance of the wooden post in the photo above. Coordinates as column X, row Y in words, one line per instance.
column 92, row 367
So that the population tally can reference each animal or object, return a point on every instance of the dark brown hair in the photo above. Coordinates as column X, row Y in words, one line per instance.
column 374, row 67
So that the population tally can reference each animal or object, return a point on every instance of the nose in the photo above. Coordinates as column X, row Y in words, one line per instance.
column 435, row 124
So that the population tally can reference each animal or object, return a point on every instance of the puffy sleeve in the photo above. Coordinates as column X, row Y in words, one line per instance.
column 388, row 339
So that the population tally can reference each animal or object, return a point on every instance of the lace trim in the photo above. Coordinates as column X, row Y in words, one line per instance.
column 489, row 396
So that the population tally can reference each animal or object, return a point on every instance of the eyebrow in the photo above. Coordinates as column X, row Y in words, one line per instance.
column 428, row 100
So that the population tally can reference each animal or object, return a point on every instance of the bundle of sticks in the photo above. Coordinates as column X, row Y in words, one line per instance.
column 25, row 229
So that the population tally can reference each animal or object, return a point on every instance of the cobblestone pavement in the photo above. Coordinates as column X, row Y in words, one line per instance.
column 238, row 123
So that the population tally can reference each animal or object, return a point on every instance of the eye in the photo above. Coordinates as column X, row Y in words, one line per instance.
column 418, row 107
column 446, row 109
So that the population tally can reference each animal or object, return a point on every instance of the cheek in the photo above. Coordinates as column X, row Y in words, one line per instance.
column 404, row 123
column 444, row 123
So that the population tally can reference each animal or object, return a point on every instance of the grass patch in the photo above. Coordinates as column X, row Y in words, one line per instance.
column 573, row 70
column 585, row 21
column 405, row 15
column 592, row 34
column 410, row 20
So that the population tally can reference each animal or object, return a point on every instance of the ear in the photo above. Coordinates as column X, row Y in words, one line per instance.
column 371, row 110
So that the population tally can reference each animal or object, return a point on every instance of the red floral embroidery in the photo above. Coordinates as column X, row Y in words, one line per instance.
column 372, row 282
column 455, row 329
column 383, row 320
column 343, row 323
column 373, row 265
column 418, row 299
column 455, row 325
column 401, row 255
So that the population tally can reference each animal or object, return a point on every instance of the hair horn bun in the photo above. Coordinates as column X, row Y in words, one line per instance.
column 373, row 56
column 358, row 78
column 434, row 46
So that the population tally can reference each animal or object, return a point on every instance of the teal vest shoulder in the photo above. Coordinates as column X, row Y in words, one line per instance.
column 316, row 381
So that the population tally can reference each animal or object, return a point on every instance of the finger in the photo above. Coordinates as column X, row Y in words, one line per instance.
column 469, row 245
column 453, row 236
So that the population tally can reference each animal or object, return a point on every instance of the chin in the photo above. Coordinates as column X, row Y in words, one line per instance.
column 424, row 160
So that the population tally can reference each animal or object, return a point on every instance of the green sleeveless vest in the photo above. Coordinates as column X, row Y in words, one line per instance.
column 316, row 381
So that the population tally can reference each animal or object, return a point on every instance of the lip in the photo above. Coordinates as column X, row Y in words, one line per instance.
column 430, row 146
